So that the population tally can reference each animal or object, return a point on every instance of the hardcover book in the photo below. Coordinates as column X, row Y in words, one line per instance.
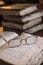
column 35, row 28
column 15, row 9
column 21, row 26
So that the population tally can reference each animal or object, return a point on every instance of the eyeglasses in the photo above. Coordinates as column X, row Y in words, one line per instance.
column 27, row 41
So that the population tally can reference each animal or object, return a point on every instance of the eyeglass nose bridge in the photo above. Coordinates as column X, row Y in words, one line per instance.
column 25, row 42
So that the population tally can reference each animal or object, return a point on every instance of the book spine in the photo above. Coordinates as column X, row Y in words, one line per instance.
column 28, row 10
column 21, row 26
column 13, row 19
column 9, row 12
column 12, row 25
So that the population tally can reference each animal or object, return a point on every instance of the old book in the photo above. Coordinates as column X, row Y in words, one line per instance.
column 21, row 26
column 32, row 54
column 17, row 6
column 32, row 16
column 9, row 12
column 14, row 10
column 13, row 30
column 18, row 19
column 35, row 28
column 28, row 10
column 5, row 37
column 14, row 19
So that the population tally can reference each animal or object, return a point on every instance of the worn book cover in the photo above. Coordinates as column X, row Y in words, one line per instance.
column 15, row 9
column 35, row 28
column 21, row 26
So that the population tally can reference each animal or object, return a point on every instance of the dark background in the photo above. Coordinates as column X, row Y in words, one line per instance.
column 20, row 1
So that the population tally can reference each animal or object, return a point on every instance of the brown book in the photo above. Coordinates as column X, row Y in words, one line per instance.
column 13, row 10
column 13, row 30
column 9, row 12
column 22, row 20
column 35, row 28
column 17, row 6
column 28, row 10
column 21, row 26
column 16, row 19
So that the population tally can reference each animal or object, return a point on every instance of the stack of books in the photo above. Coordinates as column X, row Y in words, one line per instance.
column 21, row 17
column 34, row 19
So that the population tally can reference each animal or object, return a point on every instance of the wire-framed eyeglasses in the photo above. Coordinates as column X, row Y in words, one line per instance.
column 27, row 41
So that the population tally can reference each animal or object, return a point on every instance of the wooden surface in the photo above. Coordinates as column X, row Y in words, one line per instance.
column 3, row 62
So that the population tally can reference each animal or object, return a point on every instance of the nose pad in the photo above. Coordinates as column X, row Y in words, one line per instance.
column 23, row 42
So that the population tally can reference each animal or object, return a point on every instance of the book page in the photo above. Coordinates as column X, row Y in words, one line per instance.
column 2, row 42
column 18, row 54
column 8, row 35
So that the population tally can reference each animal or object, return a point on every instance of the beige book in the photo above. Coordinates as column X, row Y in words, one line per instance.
column 32, row 16
column 35, row 28
column 28, row 10
column 24, row 54
column 14, row 9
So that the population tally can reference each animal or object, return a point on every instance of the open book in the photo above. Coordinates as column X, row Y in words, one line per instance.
column 27, row 51
column 5, row 37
